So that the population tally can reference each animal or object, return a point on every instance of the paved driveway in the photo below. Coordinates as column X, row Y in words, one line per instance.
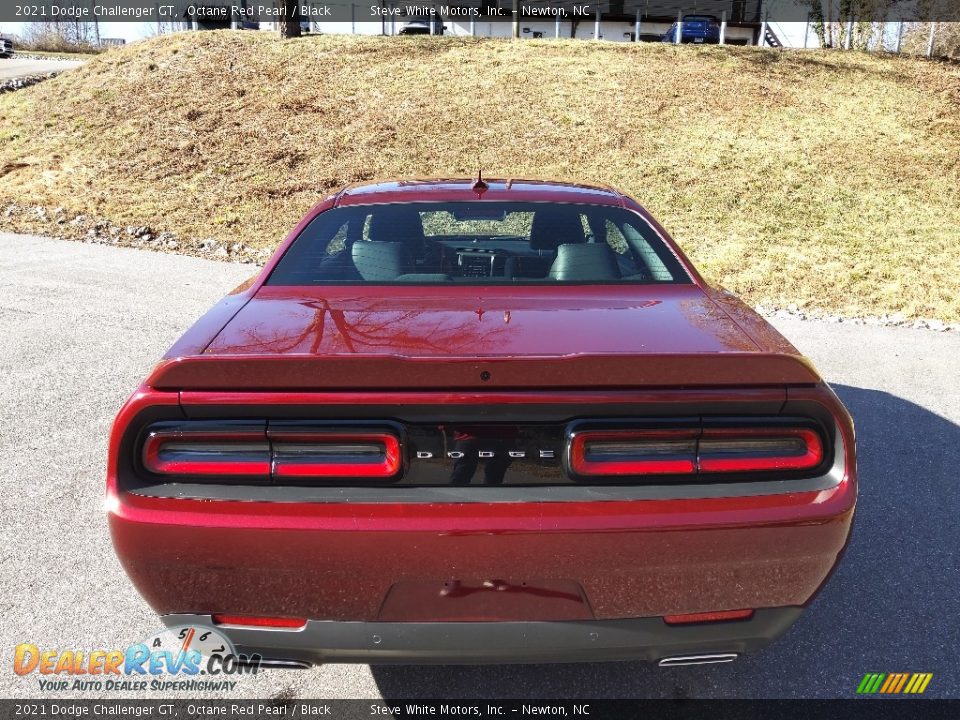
column 21, row 67
column 81, row 324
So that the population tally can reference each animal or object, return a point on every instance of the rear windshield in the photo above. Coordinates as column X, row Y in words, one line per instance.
column 477, row 243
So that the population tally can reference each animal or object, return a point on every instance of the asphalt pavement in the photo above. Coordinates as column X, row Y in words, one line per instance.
column 22, row 67
column 80, row 325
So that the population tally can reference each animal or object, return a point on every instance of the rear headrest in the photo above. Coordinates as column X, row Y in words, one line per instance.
column 397, row 224
column 594, row 261
column 554, row 226
column 381, row 260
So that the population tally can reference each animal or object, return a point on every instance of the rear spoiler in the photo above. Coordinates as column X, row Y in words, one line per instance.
column 581, row 372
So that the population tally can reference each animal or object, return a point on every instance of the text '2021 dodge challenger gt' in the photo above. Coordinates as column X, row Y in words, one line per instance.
column 503, row 421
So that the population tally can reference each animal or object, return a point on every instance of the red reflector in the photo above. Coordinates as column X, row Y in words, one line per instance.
column 756, row 449
column 707, row 617
column 228, row 453
column 259, row 621
column 633, row 452
column 335, row 454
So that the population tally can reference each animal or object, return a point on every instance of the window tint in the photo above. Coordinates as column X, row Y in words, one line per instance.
column 477, row 243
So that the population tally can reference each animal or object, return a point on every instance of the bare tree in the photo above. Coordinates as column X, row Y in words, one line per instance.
column 61, row 35
column 290, row 24
column 164, row 27
column 947, row 40
column 856, row 24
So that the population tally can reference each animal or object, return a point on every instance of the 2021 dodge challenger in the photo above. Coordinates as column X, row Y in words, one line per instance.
column 491, row 421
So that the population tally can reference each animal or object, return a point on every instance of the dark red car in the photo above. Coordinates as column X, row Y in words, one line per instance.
column 458, row 421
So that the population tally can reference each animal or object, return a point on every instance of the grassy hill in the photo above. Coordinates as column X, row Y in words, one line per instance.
column 827, row 179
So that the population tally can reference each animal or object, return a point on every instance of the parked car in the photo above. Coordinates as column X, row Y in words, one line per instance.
column 458, row 421
column 696, row 29
column 6, row 47
column 422, row 27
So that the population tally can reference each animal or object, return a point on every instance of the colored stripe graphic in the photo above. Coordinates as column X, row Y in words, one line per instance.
column 919, row 683
column 894, row 683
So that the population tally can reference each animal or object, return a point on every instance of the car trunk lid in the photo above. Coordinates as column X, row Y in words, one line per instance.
column 493, row 337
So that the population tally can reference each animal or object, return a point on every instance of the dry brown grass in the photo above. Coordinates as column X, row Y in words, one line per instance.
column 827, row 179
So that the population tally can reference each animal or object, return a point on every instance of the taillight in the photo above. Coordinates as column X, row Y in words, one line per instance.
column 692, row 451
column 634, row 452
column 229, row 452
column 708, row 617
column 335, row 454
column 260, row 621
column 758, row 449
column 254, row 452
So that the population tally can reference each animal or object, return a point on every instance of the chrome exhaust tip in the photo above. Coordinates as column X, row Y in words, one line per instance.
column 697, row 659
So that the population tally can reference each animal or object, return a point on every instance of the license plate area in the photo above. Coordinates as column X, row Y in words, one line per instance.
column 497, row 598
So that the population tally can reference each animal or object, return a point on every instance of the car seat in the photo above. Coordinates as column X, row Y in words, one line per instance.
column 555, row 226
column 585, row 261
column 381, row 261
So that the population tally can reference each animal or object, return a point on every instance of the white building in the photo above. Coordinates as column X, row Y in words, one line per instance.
column 611, row 20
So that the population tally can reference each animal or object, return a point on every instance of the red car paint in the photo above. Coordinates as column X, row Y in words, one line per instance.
column 283, row 338
column 672, row 348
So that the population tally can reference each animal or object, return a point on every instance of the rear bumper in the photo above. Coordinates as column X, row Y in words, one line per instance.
column 482, row 561
column 532, row 571
column 497, row 642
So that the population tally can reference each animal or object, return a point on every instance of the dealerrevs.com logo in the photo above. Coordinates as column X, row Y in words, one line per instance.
column 190, row 658
column 894, row 683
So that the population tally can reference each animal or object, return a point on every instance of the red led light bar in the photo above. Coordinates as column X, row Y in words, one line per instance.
column 227, row 453
column 259, row 621
column 708, row 617
column 692, row 451
column 335, row 454
column 634, row 452
column 757, row 449
column 283, row 454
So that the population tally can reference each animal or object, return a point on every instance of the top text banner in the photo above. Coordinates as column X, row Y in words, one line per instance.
column 431, row 16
